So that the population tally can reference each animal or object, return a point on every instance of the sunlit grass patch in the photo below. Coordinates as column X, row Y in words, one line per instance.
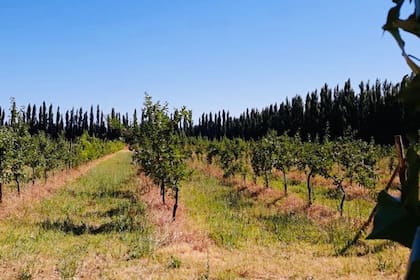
column 100, row 212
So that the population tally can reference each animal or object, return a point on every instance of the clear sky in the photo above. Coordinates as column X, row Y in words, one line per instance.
column 205, row 54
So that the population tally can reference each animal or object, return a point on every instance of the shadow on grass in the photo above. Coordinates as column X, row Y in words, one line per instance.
column 127, row 216
column 105, row 193
column 125, row 224
column 292, row 227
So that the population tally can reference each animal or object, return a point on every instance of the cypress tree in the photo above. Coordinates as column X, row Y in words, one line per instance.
column 91, row 122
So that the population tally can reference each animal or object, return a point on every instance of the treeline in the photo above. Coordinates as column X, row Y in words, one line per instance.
column 72, row 123
column 373, row 111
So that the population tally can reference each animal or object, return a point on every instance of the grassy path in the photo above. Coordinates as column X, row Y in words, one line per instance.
column 92, row 228
column 13, row 204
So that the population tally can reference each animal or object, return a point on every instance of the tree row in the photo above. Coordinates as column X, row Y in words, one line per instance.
column 372, row 111
column 344, row 161
column 25, row 157
column 72, row 124
column 159, row 147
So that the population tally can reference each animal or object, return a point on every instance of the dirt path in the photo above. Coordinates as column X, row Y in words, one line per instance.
column 12, row 203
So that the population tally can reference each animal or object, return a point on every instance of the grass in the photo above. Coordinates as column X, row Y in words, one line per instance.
column 234, row 220
column 98, row 215
column 285, row 239
column 224, row 214
column 97, row 228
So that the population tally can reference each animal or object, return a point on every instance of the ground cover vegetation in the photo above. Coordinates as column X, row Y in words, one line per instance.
column 84, row 229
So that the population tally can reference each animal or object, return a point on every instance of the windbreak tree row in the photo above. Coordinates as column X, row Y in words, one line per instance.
column 72, row 123
column 364, row 108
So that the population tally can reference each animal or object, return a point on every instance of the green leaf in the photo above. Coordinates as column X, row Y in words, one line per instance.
column 393, row 222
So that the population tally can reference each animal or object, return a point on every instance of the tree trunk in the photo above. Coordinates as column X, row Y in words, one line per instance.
column 45, row 175
column 17, row 184
column 33, row 175
column 285, row 182
column 1, row 192
column 266, row 180
column 343, row 198
column 162, row 192
column 176, row 203
column 244, row 178
column 309, row 186
column 70, row 151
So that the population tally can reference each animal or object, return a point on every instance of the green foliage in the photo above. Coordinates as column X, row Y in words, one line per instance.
column 89, row 148
column 344, row 159
column 263, row 157
column 233, row 157
column 315, row 159
column 354, row 160
column 212, row 151
column 287, row 152
column 200, row 147
column 5, row 156
column 50, row 154
column 287, row 149
column 161, row 152
column 20, row 151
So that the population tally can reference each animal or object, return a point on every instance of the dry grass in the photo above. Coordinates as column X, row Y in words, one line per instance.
column 169, row 232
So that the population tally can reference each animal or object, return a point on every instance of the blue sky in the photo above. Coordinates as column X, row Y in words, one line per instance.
column 205, row 54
